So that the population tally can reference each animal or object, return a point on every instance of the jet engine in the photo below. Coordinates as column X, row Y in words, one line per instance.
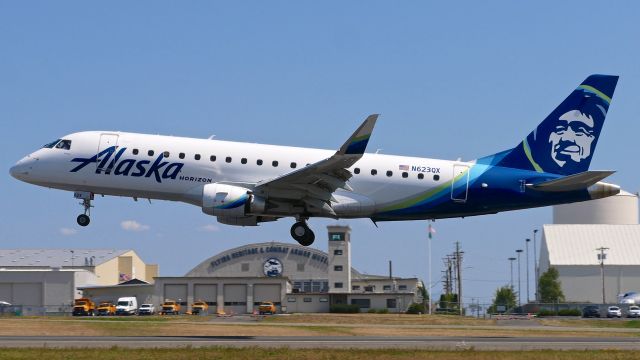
column 230, row 201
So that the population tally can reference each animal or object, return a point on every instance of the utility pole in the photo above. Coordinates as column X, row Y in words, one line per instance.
column 459, row 272
column 526, row 243
column 535, row 263
column 519, row 251
column 511, row 260
column 601, row 257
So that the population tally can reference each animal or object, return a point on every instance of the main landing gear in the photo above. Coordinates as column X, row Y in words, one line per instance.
column 302, row 234
column 86, row 197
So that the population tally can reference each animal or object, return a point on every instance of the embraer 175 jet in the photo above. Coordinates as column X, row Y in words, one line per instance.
column 247, row 184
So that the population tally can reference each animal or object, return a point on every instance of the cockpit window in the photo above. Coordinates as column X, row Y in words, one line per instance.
column 51, row 144
column 64, row 145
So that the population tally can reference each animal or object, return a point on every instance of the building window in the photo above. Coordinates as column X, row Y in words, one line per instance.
column 386, row 288
column 391, row 303
column 233, row 303
column 374, row 171
column 196, row 156
column 300, row 266
column 436, row 177
column 337, row 285
column 316, row 286
column 291, row 299
column 337, row 268
column 243, row 161
column 181, row 155
column 150, row 152
column 244, row 267
column 337, row 252
column 212, row 158
column 306, row 286
column 402, row 287
column 356, row 171
column 363, row 303
column 259, row 162
column 405, row 174
column 336, row 236
column 293, row 165
column 166, row 154
column 389, row 173
column 274, row 163
column 135, row 151
column 420, row 176
column 369, row 288
column 355, row 287
column 323, row 299
column 228, row 159
column 307, row 299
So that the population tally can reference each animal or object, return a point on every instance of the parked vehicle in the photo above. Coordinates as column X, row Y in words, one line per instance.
column 267, row 308
column 146, row 309
column 614, row 311
column 170, row 307
column 84, row 307
column 634, row 311
column 591, row 311
column 199, row 307
column 106, row 308
column 127, row 306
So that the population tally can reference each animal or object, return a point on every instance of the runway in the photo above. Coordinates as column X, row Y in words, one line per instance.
column 334, row 342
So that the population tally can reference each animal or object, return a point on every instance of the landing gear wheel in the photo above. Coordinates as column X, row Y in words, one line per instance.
column 302, row 234
column 83, row 220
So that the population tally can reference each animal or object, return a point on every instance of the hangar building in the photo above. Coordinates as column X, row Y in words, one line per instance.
column 294, row 277
column 579, row 229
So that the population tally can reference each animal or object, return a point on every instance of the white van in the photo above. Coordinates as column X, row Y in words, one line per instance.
column 127, row 306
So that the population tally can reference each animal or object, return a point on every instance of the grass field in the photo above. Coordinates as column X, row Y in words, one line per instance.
column 310, row 354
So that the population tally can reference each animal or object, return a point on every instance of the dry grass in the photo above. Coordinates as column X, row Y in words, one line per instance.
column 379, row 319
column 305, row 354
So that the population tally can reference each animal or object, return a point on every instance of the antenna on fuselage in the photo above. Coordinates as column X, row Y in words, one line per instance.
column 211, row 137
column 378, row 151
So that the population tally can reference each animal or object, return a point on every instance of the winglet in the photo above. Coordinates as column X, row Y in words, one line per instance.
column 357, row 143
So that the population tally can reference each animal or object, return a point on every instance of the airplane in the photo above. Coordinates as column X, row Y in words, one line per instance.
column 246, row 184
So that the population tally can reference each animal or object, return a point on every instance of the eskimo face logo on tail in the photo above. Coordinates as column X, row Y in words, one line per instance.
column 108, row 163
column 572, row 137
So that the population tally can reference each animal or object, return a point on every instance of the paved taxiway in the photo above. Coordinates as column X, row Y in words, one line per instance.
column 361, row 342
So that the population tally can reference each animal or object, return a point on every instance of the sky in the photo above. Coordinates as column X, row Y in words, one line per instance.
column 454, row 79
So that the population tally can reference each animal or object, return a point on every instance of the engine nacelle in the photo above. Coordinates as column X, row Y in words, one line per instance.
column 230, row 201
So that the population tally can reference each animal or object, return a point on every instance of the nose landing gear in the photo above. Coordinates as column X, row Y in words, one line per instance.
column 302, row 234
column 83, row 219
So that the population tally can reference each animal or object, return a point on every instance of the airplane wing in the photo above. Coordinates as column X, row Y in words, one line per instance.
column 314, row 184
column 572, row 182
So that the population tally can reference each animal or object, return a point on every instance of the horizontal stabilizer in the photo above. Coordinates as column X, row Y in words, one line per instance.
column 572, row 182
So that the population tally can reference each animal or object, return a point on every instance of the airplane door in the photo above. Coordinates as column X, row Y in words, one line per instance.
column 460, row 184
column 106, row 141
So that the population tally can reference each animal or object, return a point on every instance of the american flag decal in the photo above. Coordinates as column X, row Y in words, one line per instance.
column 404, row 167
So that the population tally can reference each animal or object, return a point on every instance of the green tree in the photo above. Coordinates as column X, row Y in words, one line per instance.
column 504, row 297
column 422, row 290
column 549, row 287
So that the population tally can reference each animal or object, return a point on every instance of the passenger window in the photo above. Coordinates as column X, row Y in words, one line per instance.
column 196, row 156
column 166, row 154
column 150, row 152
column 274, row 163
column 212, row 158
column 293, row 165
column 64, row 145
column 259, row 162
column 374, row 172
column 420, row 176
column 389, row 173
column 181, row 155
column 405, row 174
column 356, row 171
column 135, row 151
column 228, row 159
column 436, row 177
column 51, row 144
column 243, row 160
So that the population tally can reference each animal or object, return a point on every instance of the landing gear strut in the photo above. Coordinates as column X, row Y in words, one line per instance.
column 83, row 219
column 302, row 234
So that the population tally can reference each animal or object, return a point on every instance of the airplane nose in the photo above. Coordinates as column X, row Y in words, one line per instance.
column 21, row 169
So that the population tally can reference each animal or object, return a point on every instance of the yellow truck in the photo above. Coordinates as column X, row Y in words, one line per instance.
column 267, row 308
column 199, row 307
column 84, row 307
column 106, row 308
column 170, row 307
